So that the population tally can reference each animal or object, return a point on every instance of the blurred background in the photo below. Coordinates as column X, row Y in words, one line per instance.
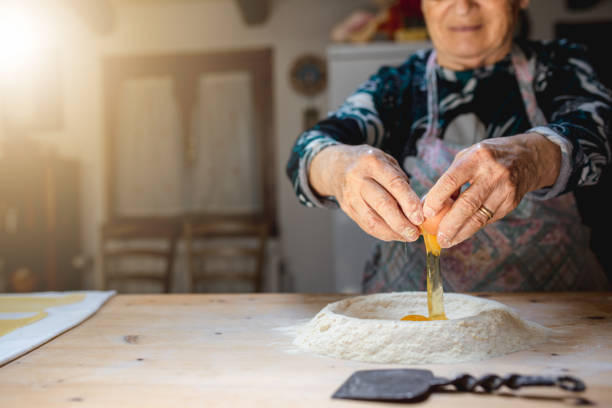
column 143, row 142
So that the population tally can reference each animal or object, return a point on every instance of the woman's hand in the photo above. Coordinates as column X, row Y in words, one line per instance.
column 371, row 188
column 500, row 172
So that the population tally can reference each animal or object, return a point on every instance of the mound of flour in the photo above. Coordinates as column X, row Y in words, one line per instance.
column 368, row 328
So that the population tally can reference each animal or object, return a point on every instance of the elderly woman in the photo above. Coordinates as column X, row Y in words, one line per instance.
column 504, row 128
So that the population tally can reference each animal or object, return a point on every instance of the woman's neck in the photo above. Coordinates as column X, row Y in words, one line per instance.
column 460, row 63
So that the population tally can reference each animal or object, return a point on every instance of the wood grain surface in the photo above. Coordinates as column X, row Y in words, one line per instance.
column 236, row 351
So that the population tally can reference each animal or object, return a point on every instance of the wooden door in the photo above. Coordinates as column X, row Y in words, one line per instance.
column 189, row 134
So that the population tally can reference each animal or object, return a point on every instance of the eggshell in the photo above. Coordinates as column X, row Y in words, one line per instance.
column 430, row 225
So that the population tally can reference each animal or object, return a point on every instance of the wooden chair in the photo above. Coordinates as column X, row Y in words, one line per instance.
column 225, row 238
column 139, row 240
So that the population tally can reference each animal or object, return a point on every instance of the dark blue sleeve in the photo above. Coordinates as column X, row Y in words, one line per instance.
column 368, row 116
column 578, row 107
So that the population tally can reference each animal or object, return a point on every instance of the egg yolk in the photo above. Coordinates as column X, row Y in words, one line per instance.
column 429, row 229
column 415, row 318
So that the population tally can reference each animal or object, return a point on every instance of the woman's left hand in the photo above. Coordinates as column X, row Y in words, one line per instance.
column 500, row 171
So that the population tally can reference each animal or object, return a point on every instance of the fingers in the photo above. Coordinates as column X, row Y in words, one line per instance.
column 477, row 221
column 385, row 205
column 491, row 169
column 395, row 181
column 448, row 185
column 375, row 192
column 369, row 221
column 465, row 217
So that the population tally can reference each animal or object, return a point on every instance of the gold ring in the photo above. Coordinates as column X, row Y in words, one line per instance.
column 486, row 212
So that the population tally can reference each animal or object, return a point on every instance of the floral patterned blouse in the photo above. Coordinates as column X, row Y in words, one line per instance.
column 389, row 111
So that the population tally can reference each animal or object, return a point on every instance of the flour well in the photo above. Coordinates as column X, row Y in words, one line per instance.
column 368, row 328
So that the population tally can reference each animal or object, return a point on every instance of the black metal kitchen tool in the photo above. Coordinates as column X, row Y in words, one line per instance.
column 409, row 385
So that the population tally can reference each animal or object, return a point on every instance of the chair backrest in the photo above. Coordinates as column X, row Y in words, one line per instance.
column 225, row 238
column 125, row 241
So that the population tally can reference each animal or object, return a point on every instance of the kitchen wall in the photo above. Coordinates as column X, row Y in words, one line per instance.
column 161, row 26
column 545, row 13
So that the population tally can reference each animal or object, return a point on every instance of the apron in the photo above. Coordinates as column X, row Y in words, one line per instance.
column 541, row 245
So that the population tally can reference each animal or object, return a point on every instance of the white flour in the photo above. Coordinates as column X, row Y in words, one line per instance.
column 368, row 328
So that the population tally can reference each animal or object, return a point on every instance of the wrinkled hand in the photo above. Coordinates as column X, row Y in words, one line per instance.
column 500, row 172
column 371, row 188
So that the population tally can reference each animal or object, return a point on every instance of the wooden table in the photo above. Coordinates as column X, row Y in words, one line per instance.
column 235, row 351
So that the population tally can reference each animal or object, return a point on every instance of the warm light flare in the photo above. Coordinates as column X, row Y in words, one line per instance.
column 22, row 38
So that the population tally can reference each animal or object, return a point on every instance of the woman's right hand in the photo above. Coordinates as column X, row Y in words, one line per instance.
column 371, row 188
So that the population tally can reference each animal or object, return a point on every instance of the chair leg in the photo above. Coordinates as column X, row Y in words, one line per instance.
column 261, row 258
column 187, row 232
column 103, row 263
column 170, row 264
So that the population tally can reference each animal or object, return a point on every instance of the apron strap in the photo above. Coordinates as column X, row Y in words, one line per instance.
column 432, row 96
column 525, row 71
